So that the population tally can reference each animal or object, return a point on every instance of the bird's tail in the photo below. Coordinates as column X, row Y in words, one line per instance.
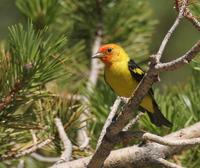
column 157, row 117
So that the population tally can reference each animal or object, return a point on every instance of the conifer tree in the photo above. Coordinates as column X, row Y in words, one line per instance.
column 46, row 74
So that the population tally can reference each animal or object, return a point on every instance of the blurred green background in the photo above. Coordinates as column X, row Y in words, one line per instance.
column 179, row 100
column 164, row 11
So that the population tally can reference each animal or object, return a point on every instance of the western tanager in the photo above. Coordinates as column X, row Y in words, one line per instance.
column 123, row 76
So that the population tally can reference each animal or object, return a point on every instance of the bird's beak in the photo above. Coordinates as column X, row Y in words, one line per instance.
column 98, row 55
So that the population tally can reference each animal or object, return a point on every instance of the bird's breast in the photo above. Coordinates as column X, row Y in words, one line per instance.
column 119, row 78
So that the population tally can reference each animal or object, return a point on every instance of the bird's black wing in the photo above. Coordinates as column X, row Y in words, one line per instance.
column 135, row 70
column 137, row 73
column 156, row 117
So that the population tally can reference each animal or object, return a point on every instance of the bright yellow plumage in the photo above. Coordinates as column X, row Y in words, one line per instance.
column 123, row 76
column 118, row 76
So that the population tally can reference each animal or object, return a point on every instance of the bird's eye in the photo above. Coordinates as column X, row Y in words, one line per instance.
column 109, row 50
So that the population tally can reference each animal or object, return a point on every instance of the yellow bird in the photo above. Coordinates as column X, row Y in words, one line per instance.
column 123, row 75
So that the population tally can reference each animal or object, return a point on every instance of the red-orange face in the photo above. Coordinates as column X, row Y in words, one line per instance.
column 108, row 53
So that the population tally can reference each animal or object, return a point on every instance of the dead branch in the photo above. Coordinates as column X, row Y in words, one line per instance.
column 42, row 158
column 141, row 157
column 169, row 33
column 167, row 164
column 188, row 14
column 177, row 63
column 67, row 153
column 133, row 122
column 109, row 119
column 143, row 136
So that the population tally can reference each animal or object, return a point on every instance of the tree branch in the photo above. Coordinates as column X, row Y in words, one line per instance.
column 167, row 164
column 177, row 63
column 67, row 153
column 144, row 156
column 109, row 119
column 42, row 158
column 188, row 14
column 158, row 139
column 169, row 33
column 133, row 122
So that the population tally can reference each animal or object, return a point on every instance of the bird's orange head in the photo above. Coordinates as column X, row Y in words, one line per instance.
column 110, row 53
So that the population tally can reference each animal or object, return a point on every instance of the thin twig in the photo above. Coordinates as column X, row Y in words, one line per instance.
column 34, row 148
column 42, row 158
column 167, row 164
column 169, row 33
column 147, row 155
column 192, row 19
column 177, row 63
column 188, row 15
column 67, row 153
column 133, row 122
column 108, row 121
column 129, row 135
column 170, row 142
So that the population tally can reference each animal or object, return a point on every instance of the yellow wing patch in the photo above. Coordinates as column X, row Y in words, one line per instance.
column 137, row 71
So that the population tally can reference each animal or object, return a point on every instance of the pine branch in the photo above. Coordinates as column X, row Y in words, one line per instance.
column 41, row 12
column 27, row 151
column 11, row 96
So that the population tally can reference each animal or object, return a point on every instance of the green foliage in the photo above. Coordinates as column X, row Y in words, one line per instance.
column 31, row 61
column 40, row 72
column 42, row 12
column 35, row 56
column 131, row 28
column 195, row 8
column 180, row 104
column 100, row 103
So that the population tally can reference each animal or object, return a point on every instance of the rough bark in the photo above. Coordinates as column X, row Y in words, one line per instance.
column 141, row 157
